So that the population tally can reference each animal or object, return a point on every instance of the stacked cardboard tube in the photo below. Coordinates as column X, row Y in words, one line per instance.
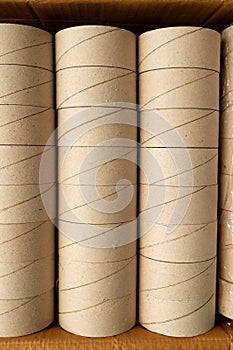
column 95, row 67
column 26, row 233
column 179, row 83
column 225, row 299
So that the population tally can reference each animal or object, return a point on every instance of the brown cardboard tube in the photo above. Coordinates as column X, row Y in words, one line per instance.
column 179, row 47
column 16, row 316
column 225, row 304
column 187, row 243
column 27, row 46
column 96, row 66
column 22, row 125
column 36, row 277
column 27, row 235
column 17, row 160
column 188, row 124
column 95, row 46
column 225, row 301
column 193, row 201
column 26, row 242
column 179, row 88
column 179, row 167
column 180, row 318
column 26, row 86
column 92, row 83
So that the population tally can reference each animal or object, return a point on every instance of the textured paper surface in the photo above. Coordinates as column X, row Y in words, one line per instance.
column 22, row 125
column 179, row 88
column 189, row 124
column 96, row 65
column 25, row 85
column 177, row 170
column 99, row 286
column 16, row 316
column 172, row 243
column 95, row 46
column 20, row 165
column 27, row 236
column 179, row 47
column 225, row 302
column 26, row 242
column 179, row 100
column 28, row 46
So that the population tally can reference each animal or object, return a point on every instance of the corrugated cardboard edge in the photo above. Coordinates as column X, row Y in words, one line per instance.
column 54, row 14
column 137, row 338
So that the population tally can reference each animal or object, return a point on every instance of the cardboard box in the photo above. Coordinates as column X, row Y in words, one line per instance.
column 138, row 16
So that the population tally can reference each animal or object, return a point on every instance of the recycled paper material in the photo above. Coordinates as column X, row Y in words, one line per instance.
column 170, row 127
column 26, row 86
column 16, row 315
column 97, row 175
column 225, row 300
column 25, row 45
column 192, row 201
column 179, row 88
column 22, row 125
column 11, row 273
column 97, row 45
column 99, row 286
column 184, row 47
column 179, row 318
column 225, row 303
column 26, row 242
column 179, row 167
column 179, row 101
column 91, row 83
column 20, row 165
column 181, row 243
column 23, row 204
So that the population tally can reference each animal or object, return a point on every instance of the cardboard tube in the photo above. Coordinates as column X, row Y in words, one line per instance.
column 225, row 166
column 179, row 318
column 92, row 125
column 225, row 245
column 16, row 315
column 189, row 125
column 25, row 45
column 26, row 242
column 22, row 125
column 183, row 47
column 20, row 165
column 26, row 279
column 91, row 83
column 23, row 204
column 69, row 249
column 101, row 289
column 175, row 89
column 95, row 46
column 187, row 243
column 179, row 167
column 227, row 74
column 225, row 300
column 170, row 293
column 101, row 165
column 225, row 304
column 27, row 235
column 26, row 86
column 192, row 201
column 226, row 197
column 95, row 66
column 177, row 280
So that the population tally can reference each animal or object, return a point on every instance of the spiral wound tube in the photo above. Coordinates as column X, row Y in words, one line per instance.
column 179, row 84
column 26, row 232
column 95, row 67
